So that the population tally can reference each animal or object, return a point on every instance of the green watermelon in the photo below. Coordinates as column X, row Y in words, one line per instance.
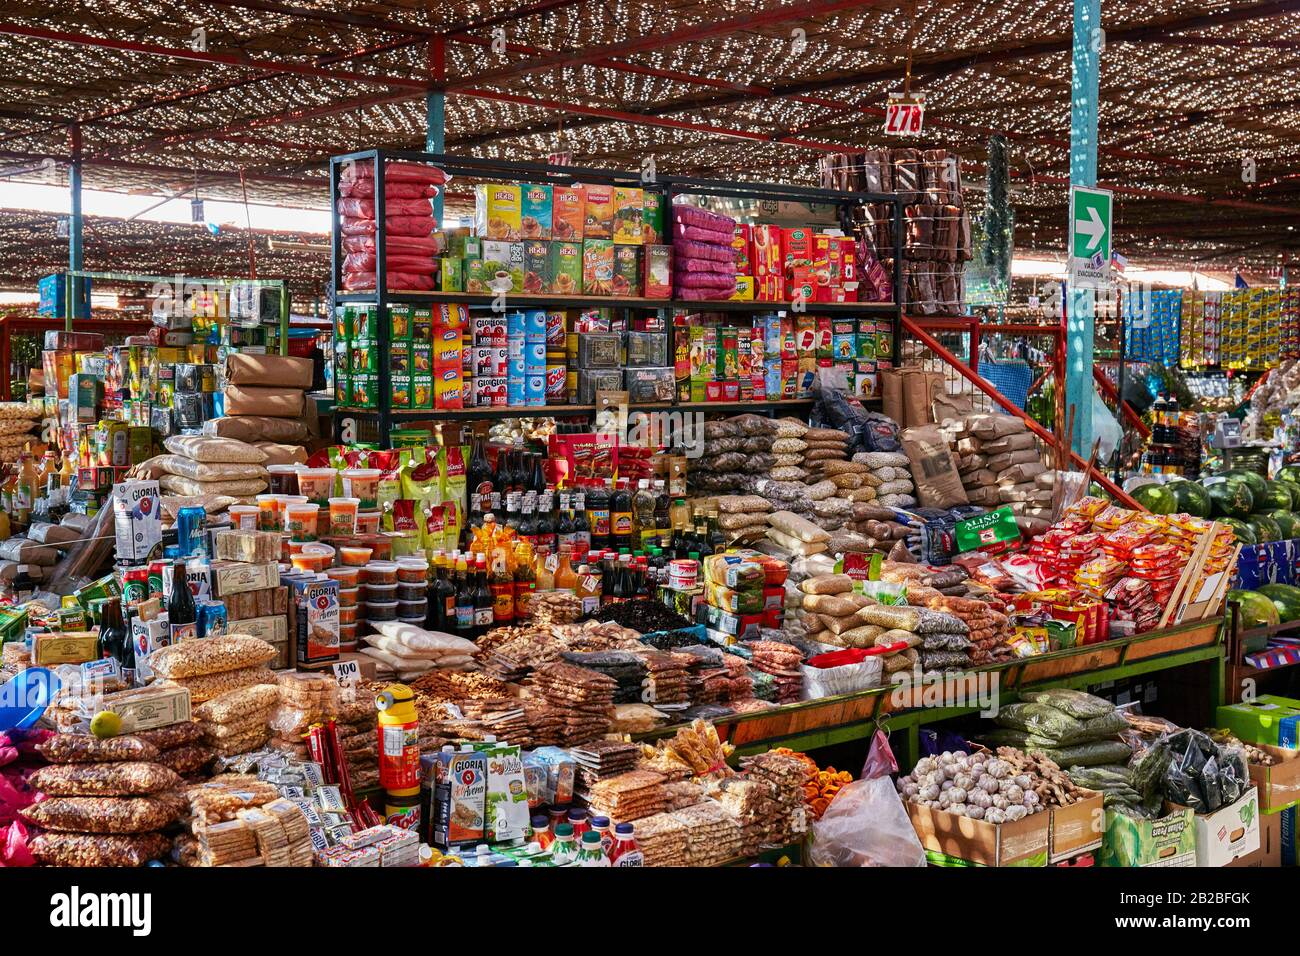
column 1244, row 532
column 1231, row 498
column 1285, row 597
column 1256, row 609
column 1277, row 497
column 1266, row 529
column 1289, row 473
column 1158, row 499
column 1288, row 522
column 1258, row 486
column 1192, row 498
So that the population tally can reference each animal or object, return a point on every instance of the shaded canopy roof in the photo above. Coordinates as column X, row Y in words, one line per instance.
column 166, row 94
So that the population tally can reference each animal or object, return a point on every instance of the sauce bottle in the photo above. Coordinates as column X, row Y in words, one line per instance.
column 566, row 579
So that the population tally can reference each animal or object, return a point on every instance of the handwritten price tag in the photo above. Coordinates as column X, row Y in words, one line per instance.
column 346, row 672
column 905, row 114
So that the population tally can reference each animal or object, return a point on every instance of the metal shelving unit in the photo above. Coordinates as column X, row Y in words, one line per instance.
column 670, row 186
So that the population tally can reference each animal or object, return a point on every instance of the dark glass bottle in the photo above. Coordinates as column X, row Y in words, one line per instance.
column 182, row 616
column 620, row 517
column 548, row 521
column 483, row 600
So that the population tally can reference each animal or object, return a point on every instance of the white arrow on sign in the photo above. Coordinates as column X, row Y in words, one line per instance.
column 1092, row 227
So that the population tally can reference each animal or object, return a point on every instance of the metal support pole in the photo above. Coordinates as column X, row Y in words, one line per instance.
column 75, row 257
column 435, row 117
column 1080, row 329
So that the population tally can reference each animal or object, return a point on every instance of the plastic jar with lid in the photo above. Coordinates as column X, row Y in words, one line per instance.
column 283, row 479
column 381, row 610
column 314, row 556
column 317, row 484
column 347, row 613
column 362, row 483
column 379, row 572
column 343, row 516
column 349, row 596
column 378, row 592
column 367, row 522
column 246, row 517
column 347, row 577
column 412, row 611
column 270, row 512
column 347, row 637
column 412, row 571
column 354, row 555
column 412, row 592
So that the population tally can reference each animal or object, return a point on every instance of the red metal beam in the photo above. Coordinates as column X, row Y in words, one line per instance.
column 930, row 342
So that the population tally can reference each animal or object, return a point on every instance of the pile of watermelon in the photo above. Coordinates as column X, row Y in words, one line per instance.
column 1256, row 508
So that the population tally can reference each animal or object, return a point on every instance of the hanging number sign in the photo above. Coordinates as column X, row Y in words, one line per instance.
column 905, row 114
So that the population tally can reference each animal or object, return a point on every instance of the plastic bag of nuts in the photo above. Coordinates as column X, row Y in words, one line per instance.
column 238, row 705
column 84, row 849
column 208, row 686
column 555, row 607
column 210, row 656
column 103, row 779
column 82, row 748
column 105, row 814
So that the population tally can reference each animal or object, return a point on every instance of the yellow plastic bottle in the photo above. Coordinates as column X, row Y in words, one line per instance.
column 399, row 754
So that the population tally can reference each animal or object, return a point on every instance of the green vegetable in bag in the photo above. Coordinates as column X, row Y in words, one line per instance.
column 1073, row 702
column 1041, row 719
column 1089, row 754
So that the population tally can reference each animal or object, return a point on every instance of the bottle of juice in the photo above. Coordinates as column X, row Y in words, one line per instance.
column 626, row 851
column 589, row 587
column 590, row 853
column 564, row 848
column 24, row 490
column 566, row 579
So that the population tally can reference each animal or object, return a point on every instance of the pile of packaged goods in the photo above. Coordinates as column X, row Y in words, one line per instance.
column 411, row 239
column 704, row 262
column 17, row 422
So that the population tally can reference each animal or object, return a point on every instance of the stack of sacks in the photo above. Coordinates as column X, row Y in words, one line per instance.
column 784, row 776
column 823, row 445
column 411, row 240
column 880, row 526
column 662, row 839
column 266, row 387
column 628, row 796
column 105, row 802
column 1000, row 463
column 238, row 721
column 214, row 666
column 180, row 747
column 306, row 699
column 892, row 471
column 406, row 651
column 788, row 449
column 796, row 535
column 42, row 547
column 17, row 422
column 704, row 259
column 988, row 628
column 737, row 453
column 940, row 638
column 742, row 516
column 826, row 606
column 217, row 471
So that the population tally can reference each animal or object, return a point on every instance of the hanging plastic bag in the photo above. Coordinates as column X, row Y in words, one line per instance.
column 866, row 824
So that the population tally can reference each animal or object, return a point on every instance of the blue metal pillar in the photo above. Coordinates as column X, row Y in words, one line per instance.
column 1088, row 43
column 435, row 120
column 75, row 261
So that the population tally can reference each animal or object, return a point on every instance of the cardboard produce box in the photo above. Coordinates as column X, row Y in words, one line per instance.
column 1268, row 719
column 1021, row 843
column 1167, row 841
column 1076, row 828
column 1279, row 785
column 1228, row 833
column 1269, row 853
